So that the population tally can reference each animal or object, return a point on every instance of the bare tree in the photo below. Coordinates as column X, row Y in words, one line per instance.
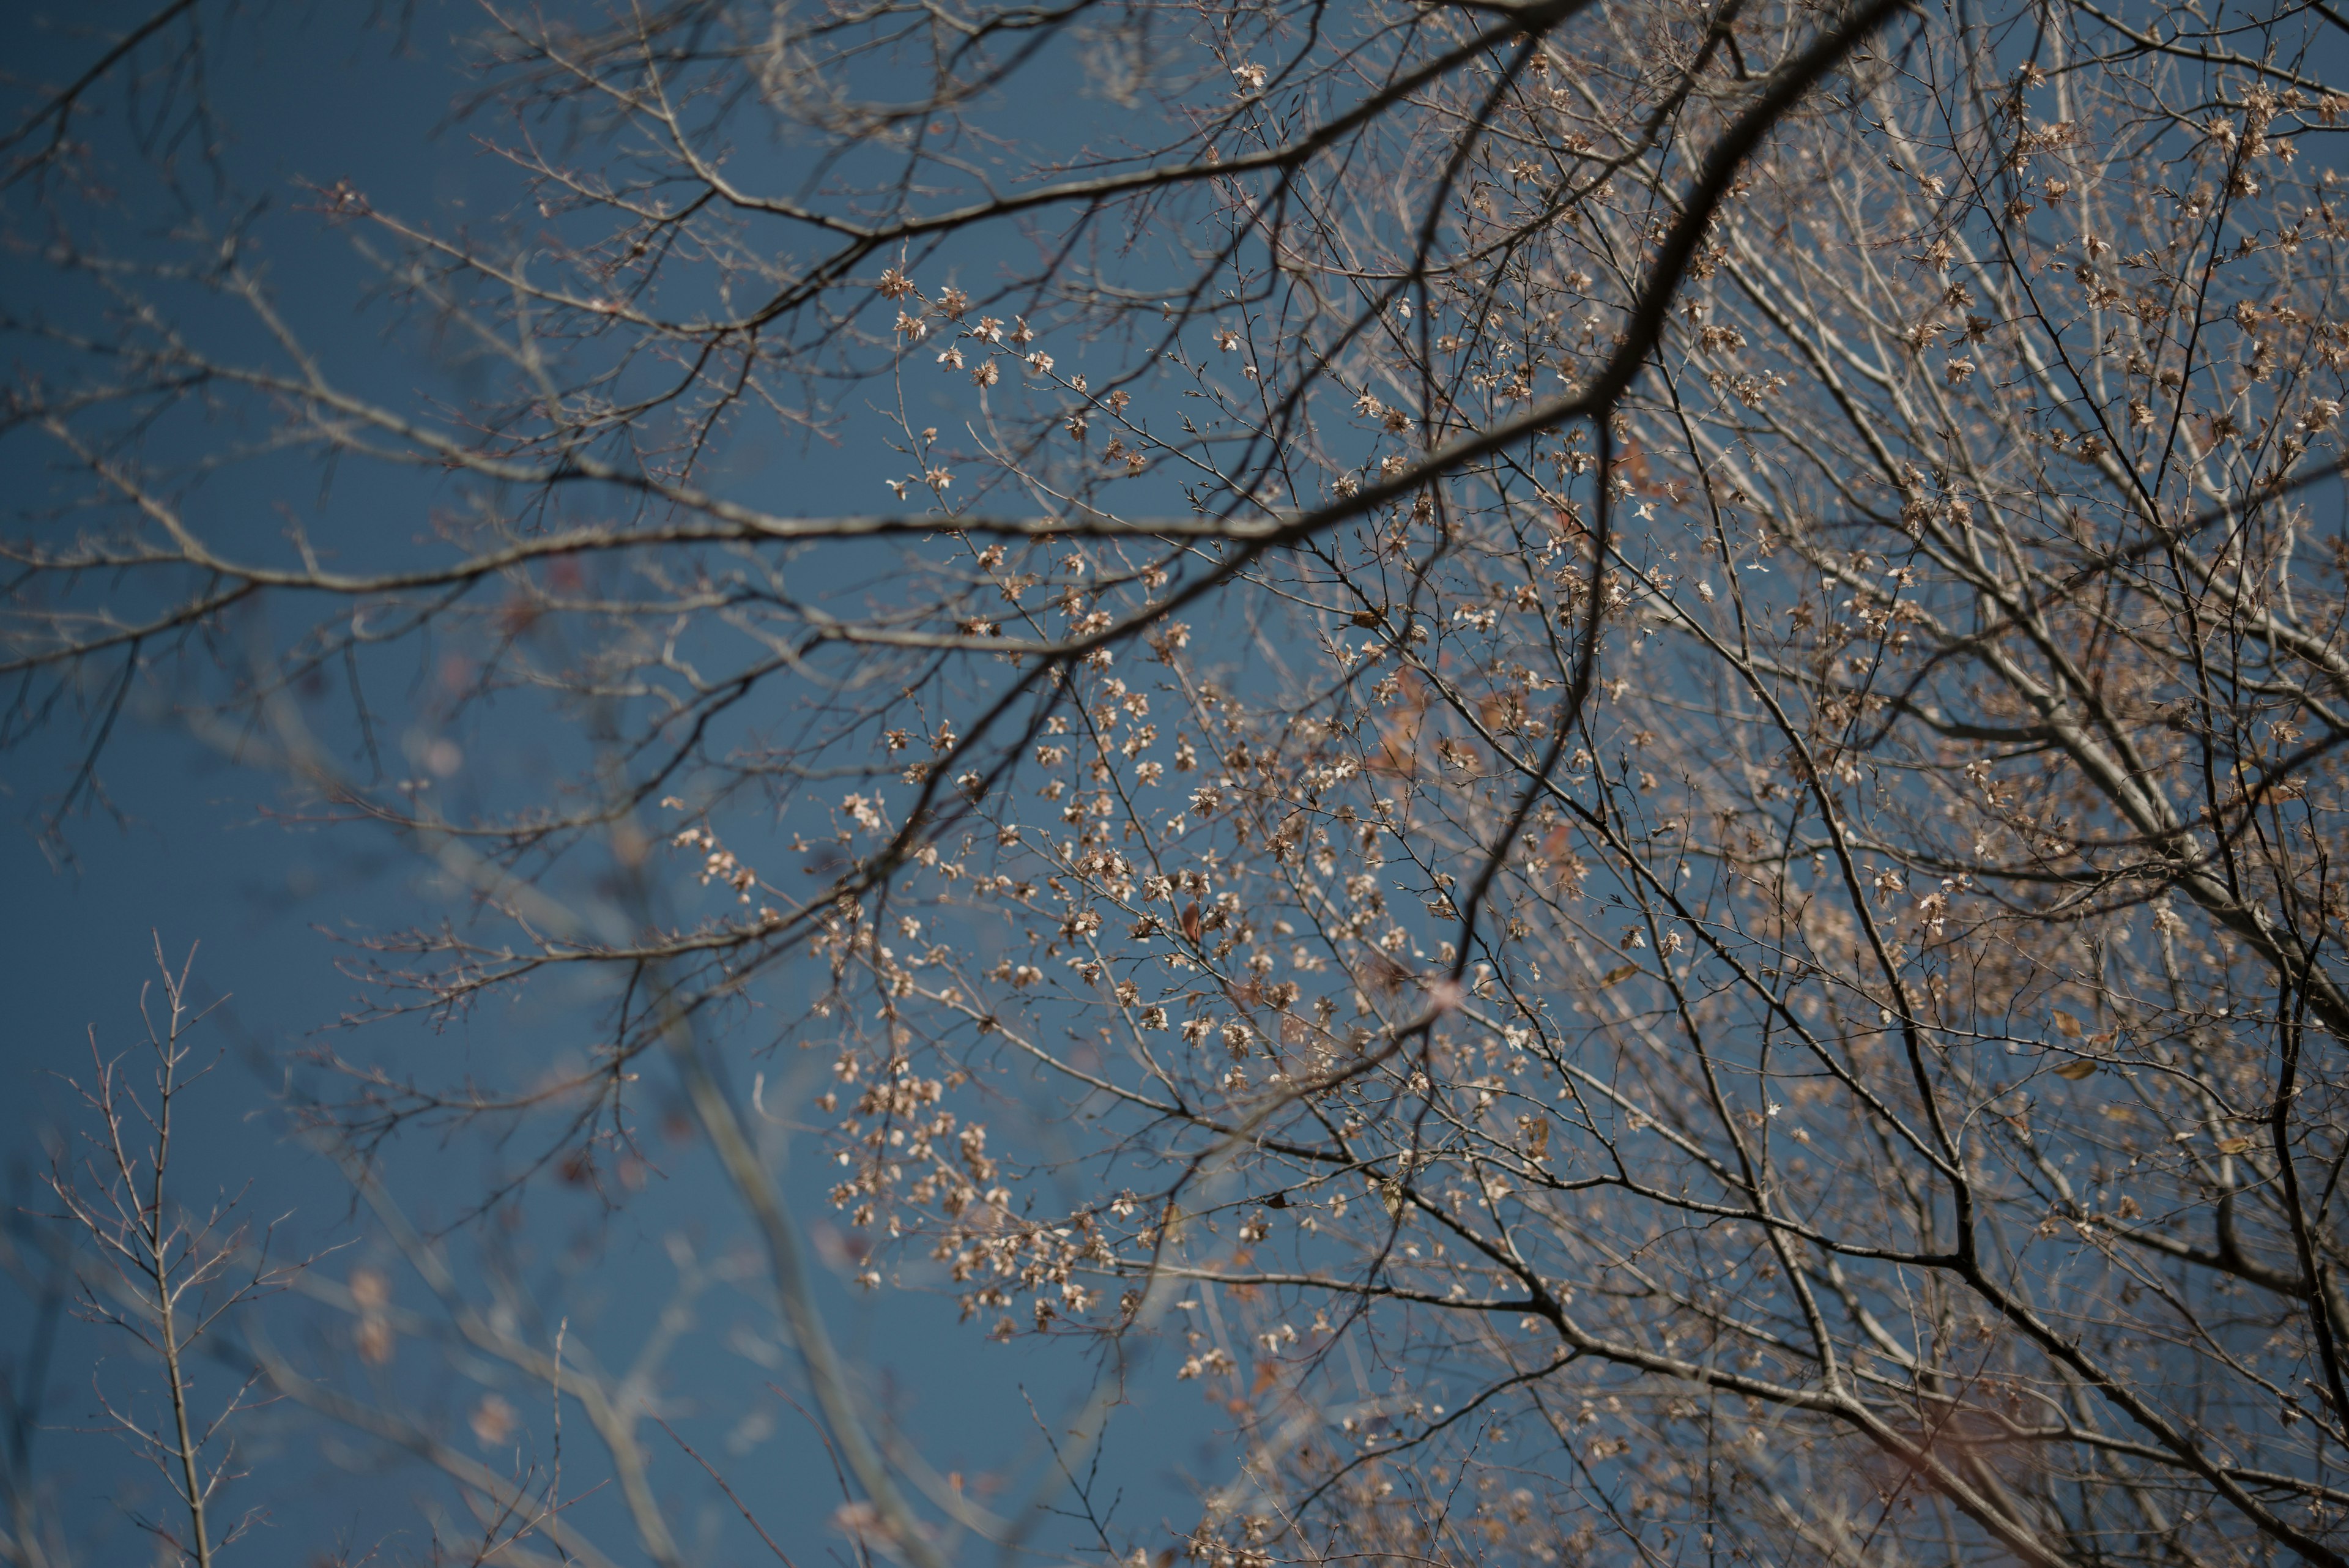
column 1634, row 705
column 160, row 1272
